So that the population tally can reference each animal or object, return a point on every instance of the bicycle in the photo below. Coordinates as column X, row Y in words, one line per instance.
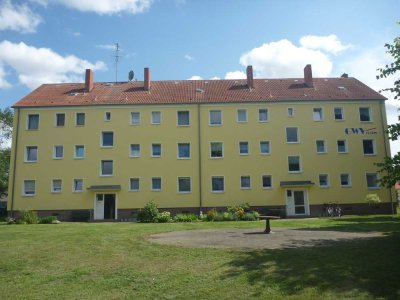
column 332, row 210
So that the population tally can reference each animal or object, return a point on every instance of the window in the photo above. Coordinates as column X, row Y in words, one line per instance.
column 245, row 182
column 290, row 112
column 216, row 149
column 155, row 117
column 78, row 185
column 134, row 184
column 323, row 180
column 156, row 150
column 80, row 119
column 317, row 114
column 244, row 148
column 242, row 115
column 107, row 139
column 267, row 181
column 58, row 152
column 107, row 168
column 292, row 135
column 265, row 147
column 33, row 121
column 368, row 147
column 56, row 185
column 263, row 115
column 29, row 187
column 365, row 115
column 338, row 111
column 156, row 184
column 342, row 146
column 184, row 185
column 215, row 117
column 294, row 163
column 107, row 116
column 79, row 151
column 135, row 118
column 135, row 150
column 31, row 154
column 321, row 147
column 60, row 120
column 372, row 180
column 183, row 118
column 345, row 180
column 217, row 184
column 183, row 150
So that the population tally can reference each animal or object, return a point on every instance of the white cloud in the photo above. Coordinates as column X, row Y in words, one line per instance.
column 103, row 7
column 215, row 78
column 76, row 33
column 18, row 18
column 235, row 75
column 188, row 57
column 106, row 47
column 4, row 84
column 35, row 66
column 284, row 59
column 196, row 77
column 329, row 43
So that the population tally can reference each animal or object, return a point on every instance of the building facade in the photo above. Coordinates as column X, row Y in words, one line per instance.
column 104, row 150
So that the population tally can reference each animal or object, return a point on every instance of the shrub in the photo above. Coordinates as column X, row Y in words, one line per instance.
column 251, row 216
column 239, row 209
column 185, row 218
column 48, row 220
column 163, row 217
column 372, row 199
column 228, row 216
column 149, row 213
column 211, row 214
column 29, row 217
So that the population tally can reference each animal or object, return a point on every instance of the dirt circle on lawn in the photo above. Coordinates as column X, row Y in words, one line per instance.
column 255, row 238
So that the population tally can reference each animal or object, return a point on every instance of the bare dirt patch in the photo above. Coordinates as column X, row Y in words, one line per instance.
column 256, row 239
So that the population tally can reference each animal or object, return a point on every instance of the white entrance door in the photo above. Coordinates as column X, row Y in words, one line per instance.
column 99, row 207
column 297, row 203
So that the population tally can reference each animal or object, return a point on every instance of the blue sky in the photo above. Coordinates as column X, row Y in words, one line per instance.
column 45, row 41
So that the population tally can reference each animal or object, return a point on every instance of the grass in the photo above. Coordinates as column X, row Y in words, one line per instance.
column 115, row 261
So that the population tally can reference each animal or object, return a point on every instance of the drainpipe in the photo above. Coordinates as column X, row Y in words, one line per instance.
column 199, row 150
column 15, row 135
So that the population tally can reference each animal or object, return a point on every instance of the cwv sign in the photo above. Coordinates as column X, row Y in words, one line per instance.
column 360, row 131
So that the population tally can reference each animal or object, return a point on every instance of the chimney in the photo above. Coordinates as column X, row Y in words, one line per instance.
column 308, row 80
column 146, row 79
column 250, row 81
column 345, row 75
column 89, row 82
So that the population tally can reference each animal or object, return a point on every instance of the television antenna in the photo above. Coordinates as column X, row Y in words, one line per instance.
column 117, row 56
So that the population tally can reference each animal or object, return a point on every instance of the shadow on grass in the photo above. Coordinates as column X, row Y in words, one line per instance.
column 356, row 268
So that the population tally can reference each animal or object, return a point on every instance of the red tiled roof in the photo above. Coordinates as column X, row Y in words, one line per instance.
column 199, row 91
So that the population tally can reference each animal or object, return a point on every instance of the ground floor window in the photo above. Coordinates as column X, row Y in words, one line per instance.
column 323, row 180
column 78, row 185
column 245, row 182
column 29, row 187
column 156, row 184
column 372, row 180
column 184, row 185
column 56, row 186
column 267, row 181
column 217, row 183
column 345, row 180
column 134, row 184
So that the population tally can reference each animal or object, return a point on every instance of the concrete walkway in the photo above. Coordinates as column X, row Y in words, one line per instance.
column 255, row 238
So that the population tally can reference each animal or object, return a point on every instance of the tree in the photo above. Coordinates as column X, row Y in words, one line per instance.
column 6, row 126
column 390, row 167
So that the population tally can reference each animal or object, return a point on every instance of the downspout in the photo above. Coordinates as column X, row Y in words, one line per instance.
column 199, row 151
column 16, row 113
column 384, row 126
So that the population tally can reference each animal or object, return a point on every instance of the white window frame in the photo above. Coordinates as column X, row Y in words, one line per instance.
column 106, row 114
column 152, row 152
column 131, row 118
column 152, row 188
column 220, row 114
column 269, row 148
column 297, row 134
column 241, row 183
column 222, row 150
column 190, row 185
column 177, row 118
column 56, row 118
column 152, row 117
column 349, row 180
column 190, row 150
column 321, row 115
column 74, row 190
column 369, row 114
column 76, row 119
column 27, row 122
column 325, row 146
column 300, row 168
column 130, row 150
column 259, row 119
column 373, row 147
column 327, row 180
column 377, row 187
column 248, row 148
column 262, row 182
column 26, row 154
column 102, row 139
column 346, row 148
column 53, row 190
column 101, row 168
column 55, row 152
column 24, row 188
column 290, row 112
column 223, row 182
column 130, row 184
column 75, row 152
column 239, row 111
column 342, row 112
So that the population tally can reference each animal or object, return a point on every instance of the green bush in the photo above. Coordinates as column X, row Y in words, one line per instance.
column 185, row 218
column 48, row 220
column 163, row 217
column 372, row 199
column 29, row 217
column 211, row 214
column 149, row 213
column 251, row 216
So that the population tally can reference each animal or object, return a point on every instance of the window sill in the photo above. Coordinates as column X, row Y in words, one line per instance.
column 30, row 161
column 184, row 192
column 156, row 190
column 29, row 129
column 217, row 192
column 27, row 195
column 135, row 124
column 111, row 175
column 244, row 154
column 324, row 186
column 295, row 172
column 183, row 158
column 53, row 192
column 245, row 188
column 77, row 192
column 134, row 191
column 217, row 157
column 106, row 147
column 136, row 156
column 58, row 158
column 79, row 158
column 374, row 188
column 267, row 188
column 266, row 121
column 373, row 154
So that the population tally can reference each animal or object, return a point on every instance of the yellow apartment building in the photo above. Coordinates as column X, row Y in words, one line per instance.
column 103, row 150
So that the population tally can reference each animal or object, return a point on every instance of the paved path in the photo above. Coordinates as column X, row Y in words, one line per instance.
column 255, row 238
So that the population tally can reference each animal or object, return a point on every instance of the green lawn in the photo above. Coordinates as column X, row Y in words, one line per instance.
column 114, row 261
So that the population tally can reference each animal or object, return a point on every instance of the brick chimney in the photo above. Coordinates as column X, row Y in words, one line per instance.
column 308, row 80
column 146, row 79
column 345, row 75
column 250, row 81
column 89, row 81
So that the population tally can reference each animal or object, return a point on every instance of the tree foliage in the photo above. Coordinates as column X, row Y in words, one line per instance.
column 6, row 127
column 390, row 167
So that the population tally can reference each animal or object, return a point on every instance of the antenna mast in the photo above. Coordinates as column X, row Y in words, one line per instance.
column 116, row 61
